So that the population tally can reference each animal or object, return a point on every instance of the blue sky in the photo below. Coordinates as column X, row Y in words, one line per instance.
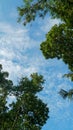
column 20, row 56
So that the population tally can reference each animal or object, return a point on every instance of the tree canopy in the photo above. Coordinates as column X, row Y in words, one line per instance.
column 28, row 111
column 62, row 9
column 59, row 40
column 59, row 44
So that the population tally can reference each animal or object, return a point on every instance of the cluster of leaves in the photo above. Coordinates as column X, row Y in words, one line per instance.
column 69, row 75
column 66, row 94
column 28, row 111
column 59, row 44
column 58, row 8
column 31, row 9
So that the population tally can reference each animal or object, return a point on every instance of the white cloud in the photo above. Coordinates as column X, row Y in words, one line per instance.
column 15, row 45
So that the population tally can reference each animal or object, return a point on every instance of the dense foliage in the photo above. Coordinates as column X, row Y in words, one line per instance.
column 59, row 40
column 58, row 8
column 59, row 43
column 27, row 112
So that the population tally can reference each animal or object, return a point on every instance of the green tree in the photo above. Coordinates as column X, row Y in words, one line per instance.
column 28, row 111
column 6, row 88
column 59, row 40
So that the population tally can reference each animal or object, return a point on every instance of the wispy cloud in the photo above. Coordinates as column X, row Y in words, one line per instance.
column 14, row 43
